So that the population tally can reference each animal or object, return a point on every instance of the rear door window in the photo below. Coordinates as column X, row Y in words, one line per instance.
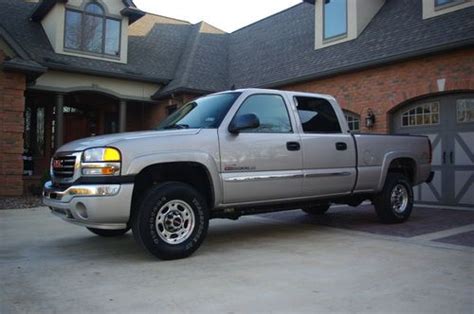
column 317, row 115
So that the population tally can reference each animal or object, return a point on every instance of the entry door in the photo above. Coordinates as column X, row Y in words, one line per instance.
column 264, row 163
column 449, row 123
column 75, row 127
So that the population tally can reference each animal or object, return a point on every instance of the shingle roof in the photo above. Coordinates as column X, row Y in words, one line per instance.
column 203, row 65
column 280, row 49
column 269, row 53
column 159, row 42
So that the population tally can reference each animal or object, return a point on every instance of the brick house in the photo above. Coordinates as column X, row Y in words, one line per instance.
column 78, row 68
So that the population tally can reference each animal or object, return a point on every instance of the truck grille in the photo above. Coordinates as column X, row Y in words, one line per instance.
column 63, row 166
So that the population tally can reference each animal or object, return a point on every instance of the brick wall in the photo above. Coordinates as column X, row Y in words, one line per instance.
column 12, row 106
column 384, row 88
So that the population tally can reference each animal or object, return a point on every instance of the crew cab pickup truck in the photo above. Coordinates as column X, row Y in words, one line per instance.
column 230, row 154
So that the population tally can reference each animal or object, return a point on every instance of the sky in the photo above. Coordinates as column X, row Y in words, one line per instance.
column 224, row 14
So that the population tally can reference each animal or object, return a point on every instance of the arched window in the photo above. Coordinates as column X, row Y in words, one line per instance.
column 424, row 114
column 353, row 120
column 92, row 31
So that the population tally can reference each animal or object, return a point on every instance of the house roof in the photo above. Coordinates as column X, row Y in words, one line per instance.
column 43, row 7
column 271, row 52
column 280, row 49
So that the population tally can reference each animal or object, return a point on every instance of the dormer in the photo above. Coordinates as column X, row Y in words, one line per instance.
column 95, row 29
column 338, row 21
column 433, row 8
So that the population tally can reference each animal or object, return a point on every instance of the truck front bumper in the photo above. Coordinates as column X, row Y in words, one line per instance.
column 100, row 206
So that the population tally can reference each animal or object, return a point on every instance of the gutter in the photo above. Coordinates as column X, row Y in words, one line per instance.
column 159, row 96
column 68, row 68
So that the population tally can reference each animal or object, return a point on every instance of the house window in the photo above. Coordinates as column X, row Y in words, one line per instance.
column 447, row 3
column 426, row 114
column 353, row 120
column 91, row 31
column 465, row 110
column 335, row 18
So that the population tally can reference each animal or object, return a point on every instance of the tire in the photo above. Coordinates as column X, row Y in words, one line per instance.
column 108, row 233
column 395, row 203
column 172, row 221
column 317, row 210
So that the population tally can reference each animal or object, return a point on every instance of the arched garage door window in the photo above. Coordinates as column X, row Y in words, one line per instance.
column 424, row 114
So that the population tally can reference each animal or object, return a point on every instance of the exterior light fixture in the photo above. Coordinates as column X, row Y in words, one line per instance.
column 370, row 119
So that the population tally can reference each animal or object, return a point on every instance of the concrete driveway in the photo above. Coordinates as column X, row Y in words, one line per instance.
column 282, row 263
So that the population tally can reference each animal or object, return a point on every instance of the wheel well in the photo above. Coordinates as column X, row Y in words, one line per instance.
column 192, row 173
column 405, row 166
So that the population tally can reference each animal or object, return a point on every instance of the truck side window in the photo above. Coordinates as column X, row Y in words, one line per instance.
column 317, row 115
column 270, row 110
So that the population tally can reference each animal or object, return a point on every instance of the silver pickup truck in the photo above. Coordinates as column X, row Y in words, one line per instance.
column 230, row 154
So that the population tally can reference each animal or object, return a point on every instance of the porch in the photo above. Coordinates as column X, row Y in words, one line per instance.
column 53, row 119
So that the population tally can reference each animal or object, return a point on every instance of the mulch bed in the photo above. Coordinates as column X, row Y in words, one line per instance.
column 20, row 202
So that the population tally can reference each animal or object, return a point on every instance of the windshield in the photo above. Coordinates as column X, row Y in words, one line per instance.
column 203, row 113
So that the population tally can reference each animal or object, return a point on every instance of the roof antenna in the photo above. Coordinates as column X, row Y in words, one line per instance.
column 232, row 87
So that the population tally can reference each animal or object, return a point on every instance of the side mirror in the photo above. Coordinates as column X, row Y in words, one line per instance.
column 243, row 122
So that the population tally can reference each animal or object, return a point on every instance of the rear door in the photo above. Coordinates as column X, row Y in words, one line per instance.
column 329, row 155
column 264, row 163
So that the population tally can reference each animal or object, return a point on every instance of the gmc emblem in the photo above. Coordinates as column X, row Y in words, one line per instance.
column 57, row 163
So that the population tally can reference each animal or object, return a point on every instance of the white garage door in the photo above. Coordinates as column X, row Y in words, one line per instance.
column 449, row 122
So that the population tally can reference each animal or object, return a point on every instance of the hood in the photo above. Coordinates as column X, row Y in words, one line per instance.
column 110, row 140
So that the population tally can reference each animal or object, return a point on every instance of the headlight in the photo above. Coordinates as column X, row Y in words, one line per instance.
column 101, row 154
column 101, row 162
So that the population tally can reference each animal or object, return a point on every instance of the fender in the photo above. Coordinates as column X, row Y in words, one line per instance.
column 388, row 158
column 139, row 163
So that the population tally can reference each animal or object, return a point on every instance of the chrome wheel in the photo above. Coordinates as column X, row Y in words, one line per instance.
column 175, row 222
column 399, row 198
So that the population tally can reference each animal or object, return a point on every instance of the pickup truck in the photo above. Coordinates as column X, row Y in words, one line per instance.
column 230, row 154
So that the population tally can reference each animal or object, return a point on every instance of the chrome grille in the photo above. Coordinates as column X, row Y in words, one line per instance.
column 63, row 166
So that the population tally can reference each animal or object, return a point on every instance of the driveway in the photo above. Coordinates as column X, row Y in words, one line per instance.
column 281, row 262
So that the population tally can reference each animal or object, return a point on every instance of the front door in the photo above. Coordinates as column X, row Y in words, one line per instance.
column 264, row 163
column 449, row 123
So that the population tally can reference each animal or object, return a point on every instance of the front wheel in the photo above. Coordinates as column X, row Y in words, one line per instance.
column 108, row 233
column 395, row 203
column 172, row 221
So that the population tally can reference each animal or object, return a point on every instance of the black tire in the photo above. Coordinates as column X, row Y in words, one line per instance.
column 392, row 212
column 108, row 233
column 317, row 210
column 159, row 203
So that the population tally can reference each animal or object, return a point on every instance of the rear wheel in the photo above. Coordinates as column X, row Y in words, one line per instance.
column 172, row 221
column 108, row 233
column 395, row 203
column 317, row 210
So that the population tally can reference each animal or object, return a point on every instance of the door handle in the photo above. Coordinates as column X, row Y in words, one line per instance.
column 293, row 146
column 444, row 157
column 341, row 146
column 451, row 157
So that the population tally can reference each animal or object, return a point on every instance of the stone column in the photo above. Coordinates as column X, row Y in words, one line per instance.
column 122, row 116
column 59, row 121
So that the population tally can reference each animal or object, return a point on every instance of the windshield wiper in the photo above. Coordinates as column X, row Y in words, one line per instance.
column 176, row 126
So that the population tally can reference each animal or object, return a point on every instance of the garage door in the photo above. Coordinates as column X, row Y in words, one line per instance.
column 449, row 122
